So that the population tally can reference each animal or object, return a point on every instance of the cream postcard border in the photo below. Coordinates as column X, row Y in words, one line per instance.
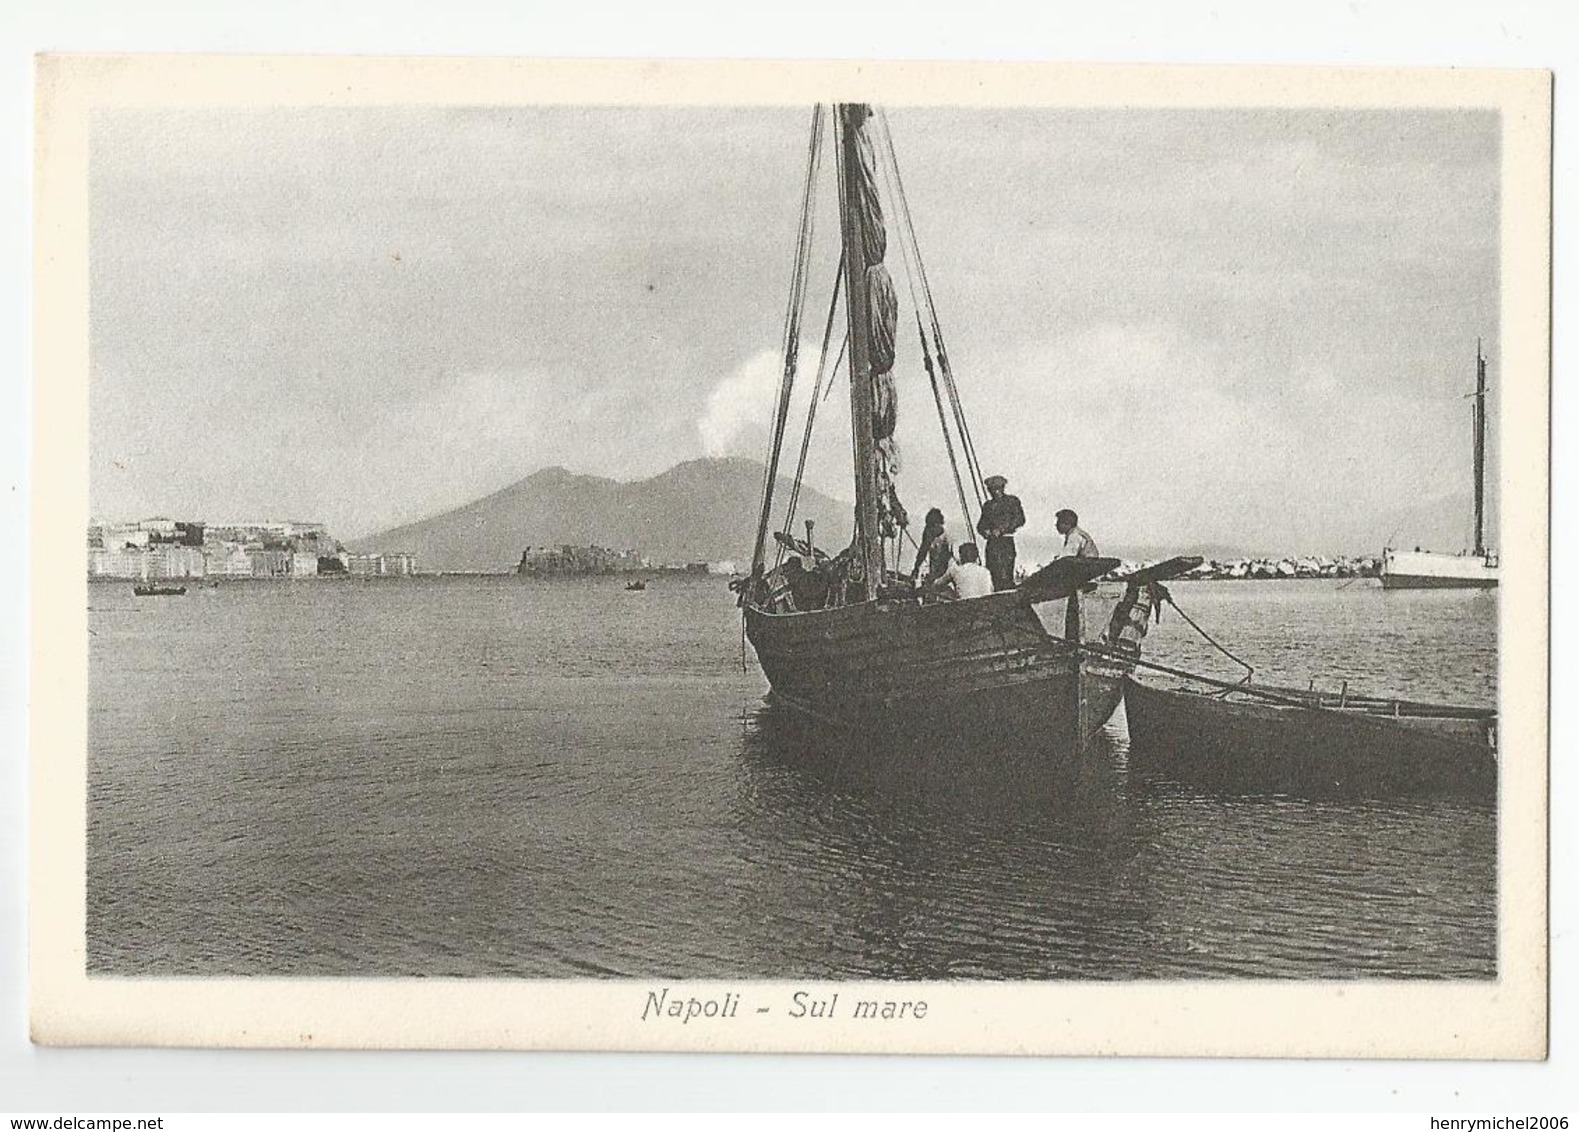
column 1503, row 1018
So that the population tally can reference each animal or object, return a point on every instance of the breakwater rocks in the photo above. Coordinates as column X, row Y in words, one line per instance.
column 1270, row 569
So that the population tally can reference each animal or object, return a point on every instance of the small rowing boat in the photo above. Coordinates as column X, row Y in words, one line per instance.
column 154, row 589
column 1283, row 740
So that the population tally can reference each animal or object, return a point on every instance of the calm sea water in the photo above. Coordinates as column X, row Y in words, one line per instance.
column 502, row 777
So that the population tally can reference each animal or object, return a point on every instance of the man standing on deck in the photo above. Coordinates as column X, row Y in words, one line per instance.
column 1001, row 516
column 935, row 549
column 1077, row 544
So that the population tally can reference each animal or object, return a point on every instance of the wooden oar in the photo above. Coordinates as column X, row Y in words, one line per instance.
column 1162, row 571
column 1062, row 577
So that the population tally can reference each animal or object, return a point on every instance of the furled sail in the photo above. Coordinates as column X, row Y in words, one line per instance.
column 882, row 315
column 874, row 235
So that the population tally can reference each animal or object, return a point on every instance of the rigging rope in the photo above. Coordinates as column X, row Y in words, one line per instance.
column 890, row 170
column 791, row 342
column 811, row 411
column 948, row 441
column 844, row 345
column 908, row 232
column 978, row 478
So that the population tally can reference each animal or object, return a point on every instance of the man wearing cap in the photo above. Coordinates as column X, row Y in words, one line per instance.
column 1001, row 516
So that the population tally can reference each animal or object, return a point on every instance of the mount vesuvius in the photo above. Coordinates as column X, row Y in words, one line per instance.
column 701, row 510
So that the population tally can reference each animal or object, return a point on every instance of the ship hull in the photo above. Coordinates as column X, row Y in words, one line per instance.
column 1232, row 744
column 977, row 671
column 1422, row 570
column 1438, row 582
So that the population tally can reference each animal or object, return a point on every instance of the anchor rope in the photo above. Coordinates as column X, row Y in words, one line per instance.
column 1167, row 596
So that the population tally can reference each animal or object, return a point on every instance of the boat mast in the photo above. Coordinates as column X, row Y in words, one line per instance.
column 1480, row 452
column 868, row 539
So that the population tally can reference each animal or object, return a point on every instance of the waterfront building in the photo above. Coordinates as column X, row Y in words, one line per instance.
column 140, row 565
column 118, row 563
column 268, row 563
column 124, row 536
column 160, row 547
column 397, row 564
column 227, row 561
column 170, row 561
column 189, row 534
column 257, row 530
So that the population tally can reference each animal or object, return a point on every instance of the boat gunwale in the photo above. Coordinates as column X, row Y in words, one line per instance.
column 1354, row 710
column 905, row 600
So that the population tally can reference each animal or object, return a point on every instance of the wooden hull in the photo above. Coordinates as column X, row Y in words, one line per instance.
column 1436, row 582
column 983, row 670
column 1234, row 744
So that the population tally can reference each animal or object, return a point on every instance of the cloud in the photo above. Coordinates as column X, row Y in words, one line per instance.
column 741, row 406
column 1158, row 317
column 465, row 435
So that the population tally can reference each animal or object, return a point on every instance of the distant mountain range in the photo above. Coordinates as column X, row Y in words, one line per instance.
column 706, row 510
column 699, row 511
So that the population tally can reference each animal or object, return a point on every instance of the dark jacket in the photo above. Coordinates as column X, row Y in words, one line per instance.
column 1001, row 514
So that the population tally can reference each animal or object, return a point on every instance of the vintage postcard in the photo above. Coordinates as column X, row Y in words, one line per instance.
column 900, row 558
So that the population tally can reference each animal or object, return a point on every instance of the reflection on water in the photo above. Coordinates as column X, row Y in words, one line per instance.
column 933, row 869
column 492, row 778
column 927, row 865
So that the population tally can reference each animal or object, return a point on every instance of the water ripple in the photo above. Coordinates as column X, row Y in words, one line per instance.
column 478, row 778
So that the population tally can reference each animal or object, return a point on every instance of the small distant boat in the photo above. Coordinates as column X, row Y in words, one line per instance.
column 154, row 589
column 1284, row 740
column 638, row 584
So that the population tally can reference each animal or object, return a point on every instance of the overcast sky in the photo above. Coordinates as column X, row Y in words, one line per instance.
column 1244, row 327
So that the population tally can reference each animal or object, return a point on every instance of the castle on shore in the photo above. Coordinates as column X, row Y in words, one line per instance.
column 574, row 561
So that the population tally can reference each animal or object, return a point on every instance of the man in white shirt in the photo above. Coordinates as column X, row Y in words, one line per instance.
column 1077, row 544
column 968, row 577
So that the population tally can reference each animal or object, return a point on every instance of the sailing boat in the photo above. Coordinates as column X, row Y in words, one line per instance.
column 844, row 637
column 1425, row 569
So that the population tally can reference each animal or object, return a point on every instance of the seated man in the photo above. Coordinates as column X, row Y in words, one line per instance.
column 808, row 587
column 1077, row 544
column 967, row 577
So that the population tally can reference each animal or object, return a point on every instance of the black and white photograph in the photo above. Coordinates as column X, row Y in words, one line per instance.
column 793, row 558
